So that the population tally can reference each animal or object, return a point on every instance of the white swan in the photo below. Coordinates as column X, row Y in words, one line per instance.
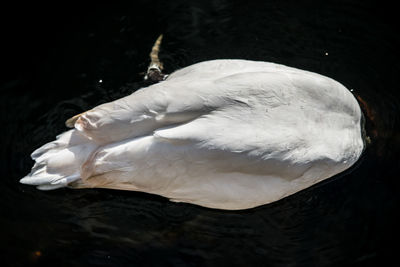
column 226, row 134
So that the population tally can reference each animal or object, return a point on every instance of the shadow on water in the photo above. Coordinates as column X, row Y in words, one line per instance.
column 347, row 220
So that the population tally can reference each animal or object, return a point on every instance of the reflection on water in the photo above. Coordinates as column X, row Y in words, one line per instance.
column 345, row 220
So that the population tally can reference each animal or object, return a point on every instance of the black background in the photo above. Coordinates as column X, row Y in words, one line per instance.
column 52, row 59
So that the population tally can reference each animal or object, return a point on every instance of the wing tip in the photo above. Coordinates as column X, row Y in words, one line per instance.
column 70, row 123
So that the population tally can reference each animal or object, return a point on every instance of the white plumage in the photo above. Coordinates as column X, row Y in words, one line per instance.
column 226, row 134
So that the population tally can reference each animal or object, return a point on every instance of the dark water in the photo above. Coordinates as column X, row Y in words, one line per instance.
column 52, row 63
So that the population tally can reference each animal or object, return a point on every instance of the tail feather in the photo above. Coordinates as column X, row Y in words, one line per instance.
column 47, row 187
column 58, row 163
column 69, row 138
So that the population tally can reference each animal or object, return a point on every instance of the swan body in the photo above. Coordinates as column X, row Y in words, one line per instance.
column 226, row 134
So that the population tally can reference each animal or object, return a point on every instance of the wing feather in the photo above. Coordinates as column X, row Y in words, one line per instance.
column 185, row 95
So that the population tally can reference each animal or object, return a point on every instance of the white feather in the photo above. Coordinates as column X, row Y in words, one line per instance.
column 227, row 134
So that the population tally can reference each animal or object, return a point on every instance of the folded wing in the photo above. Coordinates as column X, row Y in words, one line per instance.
column 185, row 95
